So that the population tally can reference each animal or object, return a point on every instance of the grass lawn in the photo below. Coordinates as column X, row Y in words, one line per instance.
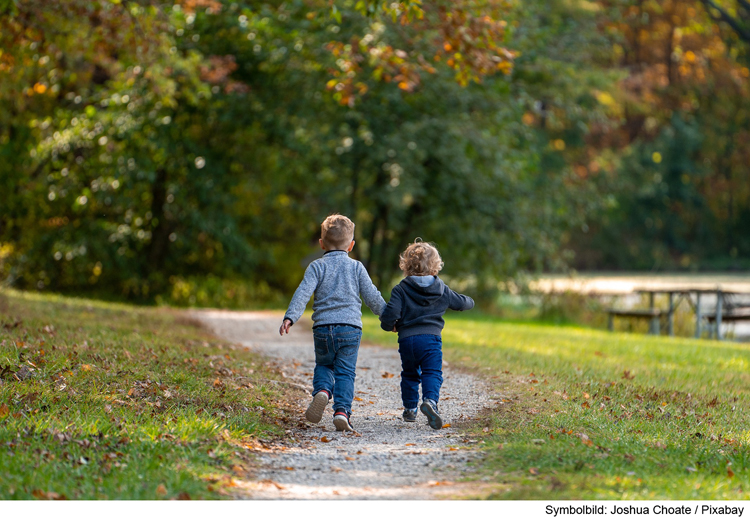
column 587, row 414
column 107, row 401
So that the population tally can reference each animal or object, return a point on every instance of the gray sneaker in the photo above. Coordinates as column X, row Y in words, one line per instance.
column 410, row 415
column 317, row 406
column 341, row 421
column 430, row 408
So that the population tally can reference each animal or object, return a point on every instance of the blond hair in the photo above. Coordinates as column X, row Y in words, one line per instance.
column 420, row 259
column 337, row 231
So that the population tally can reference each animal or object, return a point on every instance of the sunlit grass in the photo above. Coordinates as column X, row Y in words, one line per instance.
column 588, row 414
column 102, row 400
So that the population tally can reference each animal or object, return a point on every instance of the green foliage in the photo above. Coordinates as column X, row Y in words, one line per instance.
column 152, row 145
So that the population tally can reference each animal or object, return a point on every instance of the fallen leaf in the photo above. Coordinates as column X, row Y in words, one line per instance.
column 586, row 396
column 534, row 471
column 183, row 496
column 50, row 495
column 585, row 405
column 386, row 374
column 161, row 490
column 336, row 469
column 627, row 376
column 485, row 429
column 4, row 410
column 409, row 444
column 357, row 398
column 86, row 367
column 218, row 383
column 238, row 469
column 730, row 473
column 325, row 439
column 288, row 468
column 447, row 425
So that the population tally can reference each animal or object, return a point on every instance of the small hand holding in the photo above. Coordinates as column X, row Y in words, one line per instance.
column 394, row 329
column 284, row 329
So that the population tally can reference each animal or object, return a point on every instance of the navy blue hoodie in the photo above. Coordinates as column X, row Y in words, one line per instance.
column 416, row 309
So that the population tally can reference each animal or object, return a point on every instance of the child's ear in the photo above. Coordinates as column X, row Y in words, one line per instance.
column 323, row 246
column 351, row 245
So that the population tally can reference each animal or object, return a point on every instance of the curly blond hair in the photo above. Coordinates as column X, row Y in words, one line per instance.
column 420, row 259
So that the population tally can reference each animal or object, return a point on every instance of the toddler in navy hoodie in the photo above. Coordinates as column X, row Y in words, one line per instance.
column 415, row 311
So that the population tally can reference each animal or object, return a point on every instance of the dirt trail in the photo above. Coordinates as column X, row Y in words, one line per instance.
column 387, row 458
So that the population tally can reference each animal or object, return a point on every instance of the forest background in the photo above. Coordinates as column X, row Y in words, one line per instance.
column 185, row 153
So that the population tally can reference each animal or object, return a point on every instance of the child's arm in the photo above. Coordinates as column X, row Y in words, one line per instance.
column 392, row 312
column 299, row 300
column 369, row 292
column 459, row 301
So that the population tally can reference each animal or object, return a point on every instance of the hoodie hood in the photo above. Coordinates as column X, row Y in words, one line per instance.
column 423, row 295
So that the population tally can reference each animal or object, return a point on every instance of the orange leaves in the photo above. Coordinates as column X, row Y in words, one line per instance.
column 469, row 43
column 325, row 439
column 48, row 495
column 585, row 405
column 627, row 376
column 4, row 410
column 161, row 490
column 386, row 374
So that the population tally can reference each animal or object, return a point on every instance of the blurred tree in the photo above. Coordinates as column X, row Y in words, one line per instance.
column 156, row 145
column 676, row 167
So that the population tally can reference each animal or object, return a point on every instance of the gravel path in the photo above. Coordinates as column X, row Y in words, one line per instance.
column 386, row 458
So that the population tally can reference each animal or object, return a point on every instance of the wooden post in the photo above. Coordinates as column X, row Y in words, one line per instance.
column 653, row 327
column 719, row 301
column 651, row 300
column 671, row 314
column 698, row 316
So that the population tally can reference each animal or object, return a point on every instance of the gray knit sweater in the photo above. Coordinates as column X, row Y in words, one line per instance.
column 337, row 282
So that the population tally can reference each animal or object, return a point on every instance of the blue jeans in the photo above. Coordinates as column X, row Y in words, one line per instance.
column 421, row 361
column 336, row 348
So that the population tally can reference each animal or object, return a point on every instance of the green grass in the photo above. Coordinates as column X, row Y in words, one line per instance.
column 106, row 401
column 587, row 414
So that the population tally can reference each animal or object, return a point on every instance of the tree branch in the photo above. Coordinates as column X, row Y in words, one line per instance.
column 742, row 32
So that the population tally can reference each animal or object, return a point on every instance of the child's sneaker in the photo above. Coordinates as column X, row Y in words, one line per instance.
column 341, row 422
column 430, row 408
column 318, row 405
column 410, row 415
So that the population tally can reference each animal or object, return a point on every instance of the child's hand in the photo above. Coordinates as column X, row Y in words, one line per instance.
column 394, row 329
column 284, row 329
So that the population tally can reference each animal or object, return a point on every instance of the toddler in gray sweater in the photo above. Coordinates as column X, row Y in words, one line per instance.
column 337, row 281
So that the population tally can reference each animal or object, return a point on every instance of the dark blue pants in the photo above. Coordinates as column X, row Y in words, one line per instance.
column 421, row 362
column 336, row 348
